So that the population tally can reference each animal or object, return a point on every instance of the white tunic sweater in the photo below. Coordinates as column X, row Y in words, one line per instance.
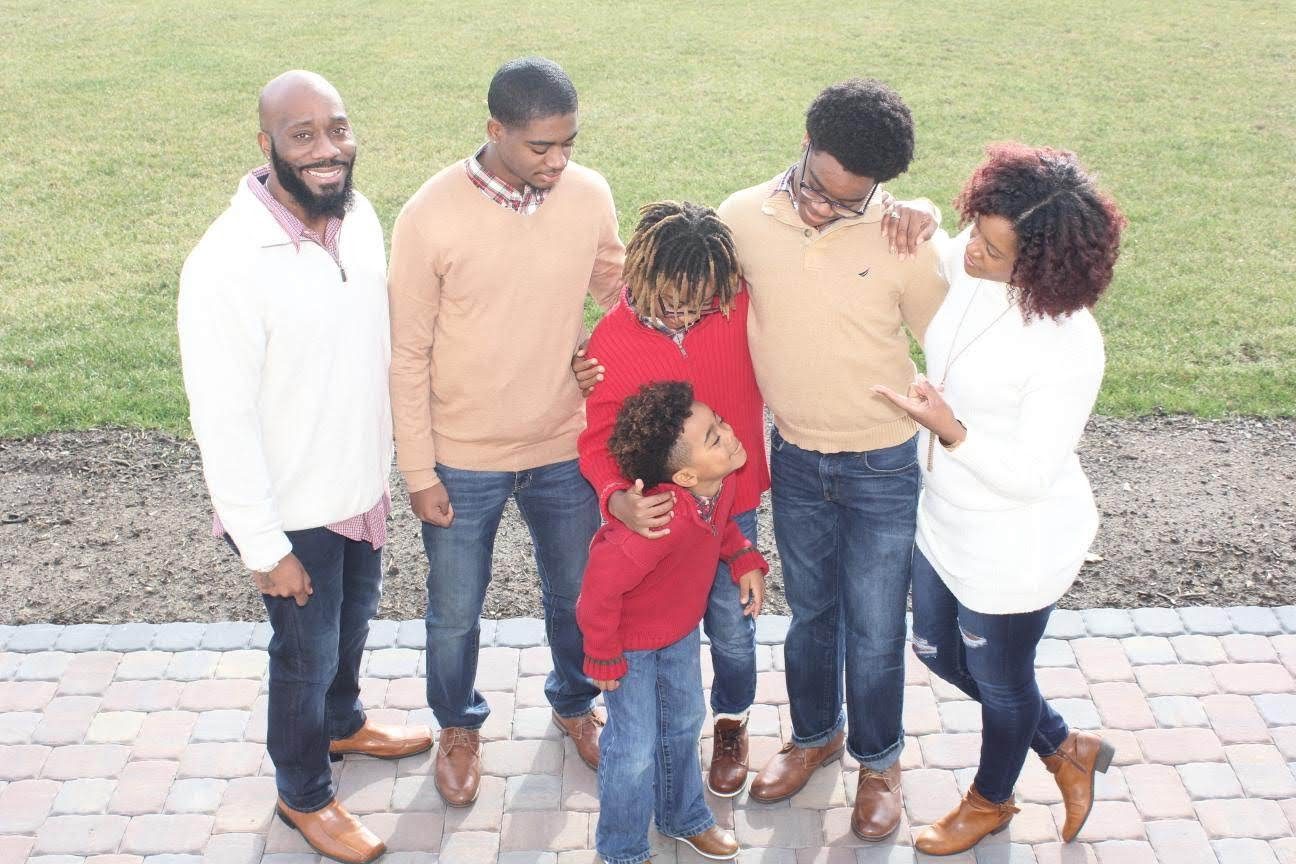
column 285, row 365
column 1006, row 517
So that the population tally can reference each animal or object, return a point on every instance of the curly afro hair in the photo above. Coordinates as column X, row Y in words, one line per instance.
column 1068, row 231
column 864, row 125
column 646, row 438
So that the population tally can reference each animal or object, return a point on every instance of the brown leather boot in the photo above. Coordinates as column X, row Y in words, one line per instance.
column 1073, row 766
column 790, row 769
column 714, row 843
column 878, row 804
column 966, row 825
column 384, row 741
column 584, row 731
column 728, row 771
column 333, row 832
column 458, row 765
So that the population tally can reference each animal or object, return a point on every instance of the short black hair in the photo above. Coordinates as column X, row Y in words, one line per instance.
column 864, row 125
column 646, row 438
column 530, row 88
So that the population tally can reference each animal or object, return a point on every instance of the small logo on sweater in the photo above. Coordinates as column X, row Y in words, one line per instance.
column 864, row 272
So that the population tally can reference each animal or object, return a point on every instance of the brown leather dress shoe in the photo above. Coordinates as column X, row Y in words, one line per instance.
column 878, row 804
column 333, row 832
column 728, row 771
column 966, row 825
column 384, row 741
column 714, row 843
column 458, row 765
column 584, row 731
column 1073, row 766
column 790, row 768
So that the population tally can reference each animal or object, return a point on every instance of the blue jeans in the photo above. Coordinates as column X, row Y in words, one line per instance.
column 733, row 637
column 991, row 658
column 844, row 524
column 562, row 514
column 315, row 653
column 648, row 753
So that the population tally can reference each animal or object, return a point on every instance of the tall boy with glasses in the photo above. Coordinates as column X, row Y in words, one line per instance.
column 829, row 309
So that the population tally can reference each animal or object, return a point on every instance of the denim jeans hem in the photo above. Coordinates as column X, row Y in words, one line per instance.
column 356, row 728
column 1055, row 747
column 310, row 808
column 588, row 708
column 637, row 859
column 822, row 738
column 704, row 825
column 882, row 761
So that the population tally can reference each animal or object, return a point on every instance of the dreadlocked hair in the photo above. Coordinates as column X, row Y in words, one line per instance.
column 681, row 257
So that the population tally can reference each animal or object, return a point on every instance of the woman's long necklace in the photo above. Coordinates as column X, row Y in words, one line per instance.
column 949, row 360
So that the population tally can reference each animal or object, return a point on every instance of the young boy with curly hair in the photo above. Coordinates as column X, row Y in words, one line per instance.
column 639, row 609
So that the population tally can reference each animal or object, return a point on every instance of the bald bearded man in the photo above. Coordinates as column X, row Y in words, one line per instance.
column 285, row 348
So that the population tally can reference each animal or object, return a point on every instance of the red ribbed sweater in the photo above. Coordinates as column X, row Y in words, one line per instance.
column 714, row 359
column 640, row 594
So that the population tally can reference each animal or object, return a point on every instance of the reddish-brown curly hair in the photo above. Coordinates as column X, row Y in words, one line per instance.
column 1068, row 231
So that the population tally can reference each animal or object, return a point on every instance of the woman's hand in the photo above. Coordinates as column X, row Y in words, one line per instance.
column 926, row 406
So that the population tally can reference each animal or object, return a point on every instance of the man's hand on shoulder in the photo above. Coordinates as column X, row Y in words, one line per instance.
column 587, row 370
column 432, row 505
column 288, row 579
column 646, row 516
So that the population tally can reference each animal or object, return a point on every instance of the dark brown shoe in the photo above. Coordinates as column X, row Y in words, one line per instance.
column 384, row 741
column 966, row 825
column 728, row 771
column 333, row 832
column 714, row 843
column 458, row 765
column 584, row 731
column 1073, row 766
column 790, row 769
column 878, row 804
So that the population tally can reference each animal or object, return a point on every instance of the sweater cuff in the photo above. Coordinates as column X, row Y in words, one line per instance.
column 417, row 481
column 263, row 551
column 744, row 561
column 599, row 669
column 605, row 496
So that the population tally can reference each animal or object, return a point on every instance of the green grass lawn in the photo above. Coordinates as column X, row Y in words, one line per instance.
column 127, row 125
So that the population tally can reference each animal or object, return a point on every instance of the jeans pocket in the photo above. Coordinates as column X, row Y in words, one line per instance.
column 776, row 440
column 892, row 460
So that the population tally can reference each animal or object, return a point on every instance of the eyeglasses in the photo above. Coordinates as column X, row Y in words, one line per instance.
column 816, row 196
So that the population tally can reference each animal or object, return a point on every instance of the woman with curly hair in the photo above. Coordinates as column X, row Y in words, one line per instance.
column 1006, row 513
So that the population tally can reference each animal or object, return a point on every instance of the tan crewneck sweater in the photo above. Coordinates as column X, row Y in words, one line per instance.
column 486, row 309
column 828, row 310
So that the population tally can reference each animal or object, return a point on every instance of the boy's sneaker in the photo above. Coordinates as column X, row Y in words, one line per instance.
column 714, row 843
column 728, row 772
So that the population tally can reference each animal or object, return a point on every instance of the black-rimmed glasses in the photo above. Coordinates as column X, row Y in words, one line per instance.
column 816, row 196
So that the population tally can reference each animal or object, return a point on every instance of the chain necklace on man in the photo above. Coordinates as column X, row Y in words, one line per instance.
column 954, row 355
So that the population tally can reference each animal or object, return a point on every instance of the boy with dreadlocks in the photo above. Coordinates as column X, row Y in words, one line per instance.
column 683, row 317
column 640, row 604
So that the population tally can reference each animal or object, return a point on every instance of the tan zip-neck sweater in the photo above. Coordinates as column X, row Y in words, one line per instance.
column 487, row 307
column 828, row 311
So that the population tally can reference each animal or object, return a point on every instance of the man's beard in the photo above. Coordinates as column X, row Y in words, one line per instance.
column 332, row 204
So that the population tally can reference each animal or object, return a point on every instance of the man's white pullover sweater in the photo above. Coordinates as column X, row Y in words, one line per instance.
column 285, row 358
column 1006, row 517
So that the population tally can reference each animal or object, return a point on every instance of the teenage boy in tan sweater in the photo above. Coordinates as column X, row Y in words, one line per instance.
column 829, row 308
column 490, row 263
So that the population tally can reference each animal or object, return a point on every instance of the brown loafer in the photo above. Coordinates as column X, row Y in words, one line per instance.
column 728, row 771
column 714, row 843
column 584, row 731
column 974, row 819
column 458, row 766
column 333, row 832
column 1074, row 764
column 790, row 768
column 878, row 804
column 384, row 741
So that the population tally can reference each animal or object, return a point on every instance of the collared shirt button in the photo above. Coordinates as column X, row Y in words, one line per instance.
column 809, row 232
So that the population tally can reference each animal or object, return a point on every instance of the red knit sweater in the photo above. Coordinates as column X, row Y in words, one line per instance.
column 714, row 359
column 641, row 594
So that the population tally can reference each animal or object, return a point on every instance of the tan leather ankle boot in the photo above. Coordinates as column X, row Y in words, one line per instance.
column 1073, row 766
column 966, row 825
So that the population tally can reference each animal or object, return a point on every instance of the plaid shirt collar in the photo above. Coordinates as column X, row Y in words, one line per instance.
column 526, row 201
column 292, row 226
